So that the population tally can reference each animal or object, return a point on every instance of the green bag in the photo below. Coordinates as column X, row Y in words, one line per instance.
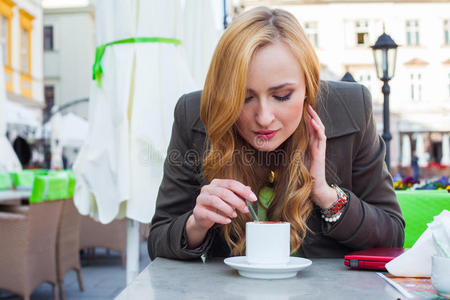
column 48, row 188
column 5, row 181
column 23, row 179
column 418, row 208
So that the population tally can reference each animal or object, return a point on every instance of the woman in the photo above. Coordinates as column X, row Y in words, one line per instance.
column 253, row 135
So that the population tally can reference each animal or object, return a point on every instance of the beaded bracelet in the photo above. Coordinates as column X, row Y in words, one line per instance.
column 333, row 213
column 333, row 218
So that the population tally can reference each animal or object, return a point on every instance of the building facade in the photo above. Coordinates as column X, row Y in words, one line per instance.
column 21, row 43
column 69, row 50
column 342, row 33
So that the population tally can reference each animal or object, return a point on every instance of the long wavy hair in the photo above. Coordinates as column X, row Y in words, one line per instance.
column 221, row 103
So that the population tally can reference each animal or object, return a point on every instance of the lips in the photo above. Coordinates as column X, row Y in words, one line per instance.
column 265, row 134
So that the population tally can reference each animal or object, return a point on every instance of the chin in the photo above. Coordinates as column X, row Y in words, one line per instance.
column 266, row 147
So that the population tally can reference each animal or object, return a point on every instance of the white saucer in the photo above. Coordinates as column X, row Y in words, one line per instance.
column 245, row 269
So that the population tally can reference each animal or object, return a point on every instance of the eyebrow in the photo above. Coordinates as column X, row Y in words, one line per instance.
column 274, row 88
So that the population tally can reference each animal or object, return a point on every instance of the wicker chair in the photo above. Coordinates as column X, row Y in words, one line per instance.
column 111, row 236
column 27, row 255
column 68, row 244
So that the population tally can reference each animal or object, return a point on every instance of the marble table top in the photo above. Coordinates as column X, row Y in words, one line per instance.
column 324, row 279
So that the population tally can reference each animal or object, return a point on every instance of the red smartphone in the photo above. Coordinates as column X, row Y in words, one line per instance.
column 371, row 259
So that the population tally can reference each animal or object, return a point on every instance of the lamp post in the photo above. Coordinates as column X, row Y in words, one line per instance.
column 385, row 55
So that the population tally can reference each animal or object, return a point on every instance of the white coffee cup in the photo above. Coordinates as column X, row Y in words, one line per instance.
column 440, row 274
column 267, row 243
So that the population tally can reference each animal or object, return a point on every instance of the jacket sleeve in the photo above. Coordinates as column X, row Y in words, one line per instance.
column 372, row 217
column 177, row 195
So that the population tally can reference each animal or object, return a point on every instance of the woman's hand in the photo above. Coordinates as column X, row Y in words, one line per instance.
column 322, row 194
column 216, row 203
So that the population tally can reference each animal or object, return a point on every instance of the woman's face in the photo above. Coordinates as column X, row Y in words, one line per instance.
column 274, row 101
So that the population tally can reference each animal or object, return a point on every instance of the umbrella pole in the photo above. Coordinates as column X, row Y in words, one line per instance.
column 132, row 250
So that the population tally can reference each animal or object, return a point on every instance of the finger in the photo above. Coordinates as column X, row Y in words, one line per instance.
column 217, row 204
column 311, row 128
column 204, row 213
column 236, row 187
column 230, row 197
column 315, row 116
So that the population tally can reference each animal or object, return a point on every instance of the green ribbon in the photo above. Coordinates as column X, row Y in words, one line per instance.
column 100, row 50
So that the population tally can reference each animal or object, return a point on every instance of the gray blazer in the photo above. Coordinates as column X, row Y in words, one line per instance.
column 354, row 161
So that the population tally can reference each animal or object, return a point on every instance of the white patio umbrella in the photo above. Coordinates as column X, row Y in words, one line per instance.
column 406, row 151
column 8, row 158
column 200, row 44
column 119, row 167
column 420, row 150
column 445, row 150
column 73, row 130
column 55, row 141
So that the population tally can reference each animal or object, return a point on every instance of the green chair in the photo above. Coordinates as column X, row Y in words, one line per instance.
column 418, row 208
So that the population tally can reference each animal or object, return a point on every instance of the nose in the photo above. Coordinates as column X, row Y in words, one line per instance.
column 264, row 114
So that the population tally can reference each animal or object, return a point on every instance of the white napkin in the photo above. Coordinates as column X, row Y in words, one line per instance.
column 416, row 262
column 440, row 229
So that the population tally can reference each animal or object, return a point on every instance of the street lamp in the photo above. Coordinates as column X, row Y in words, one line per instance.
column 385, row 55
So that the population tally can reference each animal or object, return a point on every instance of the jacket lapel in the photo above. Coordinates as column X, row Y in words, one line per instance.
column 199, row 126
column 334, row 112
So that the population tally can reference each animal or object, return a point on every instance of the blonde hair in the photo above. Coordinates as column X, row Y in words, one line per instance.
column 221, row 103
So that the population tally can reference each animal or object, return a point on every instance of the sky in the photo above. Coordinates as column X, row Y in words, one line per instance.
column 64, row 3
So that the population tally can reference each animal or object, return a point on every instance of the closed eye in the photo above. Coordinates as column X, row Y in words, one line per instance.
column 283, row 98
column 247, row 99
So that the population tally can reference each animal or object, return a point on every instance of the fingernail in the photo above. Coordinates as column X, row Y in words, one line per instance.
column 234, row 215
column 228, row 221
column 253, row 197
column 246, row 210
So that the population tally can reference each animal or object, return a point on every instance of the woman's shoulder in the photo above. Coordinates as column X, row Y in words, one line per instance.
column 188, row 110
column 344, row 106
column 352, row 93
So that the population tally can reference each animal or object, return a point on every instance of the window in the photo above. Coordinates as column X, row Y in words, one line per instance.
column 26, row 28
column 362, row 33
column 6, row 14
column 412, row 33
column 48, row 38
column 365, row 79
column 24, row 52
column 368, row 78
column 312, row 33
column 416, row 86
column 447, row 32
column 4, row 30
column 49, row 95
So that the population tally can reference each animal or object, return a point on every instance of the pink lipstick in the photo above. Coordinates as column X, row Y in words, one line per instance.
column 265, row 134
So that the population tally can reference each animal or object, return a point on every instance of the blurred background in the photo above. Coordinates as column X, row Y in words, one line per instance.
column 49, row 48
